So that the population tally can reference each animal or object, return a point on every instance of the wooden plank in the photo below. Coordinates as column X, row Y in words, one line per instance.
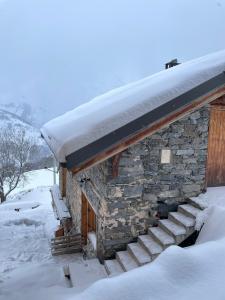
column 67, row 237
column 216, row 147
column 59, row 204
column 84, row 223
column 65, row 242
column 145, row 132
column 66, row 251
column 59, row 232
column 91, row 219
column 115, row 164
column 66, row 245
column 220, row 101
column 64, row 175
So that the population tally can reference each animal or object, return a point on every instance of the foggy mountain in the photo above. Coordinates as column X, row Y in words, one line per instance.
column 42, row 156
column 55, row 55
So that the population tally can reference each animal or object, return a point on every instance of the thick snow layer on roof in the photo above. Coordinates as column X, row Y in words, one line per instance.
column 106, row 113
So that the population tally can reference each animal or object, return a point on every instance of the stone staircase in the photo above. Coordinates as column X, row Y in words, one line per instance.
column 172, row 231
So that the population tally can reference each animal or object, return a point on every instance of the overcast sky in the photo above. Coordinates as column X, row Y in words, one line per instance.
column 57, row 54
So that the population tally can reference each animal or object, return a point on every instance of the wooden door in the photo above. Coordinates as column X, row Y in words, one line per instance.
column 84, row 224
column 63, row 174
column 216, row 147
column 91, row 219
column 88, row 218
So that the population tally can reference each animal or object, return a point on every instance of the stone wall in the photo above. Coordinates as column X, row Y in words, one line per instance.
column 73, row 198
column 92, row 183
column 145, row 188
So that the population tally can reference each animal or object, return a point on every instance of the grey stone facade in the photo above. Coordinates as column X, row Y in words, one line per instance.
column 145, row 188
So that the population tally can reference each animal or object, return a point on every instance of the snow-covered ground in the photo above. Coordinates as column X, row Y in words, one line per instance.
column 28, row 271
column 35, row 179
column 27, row 223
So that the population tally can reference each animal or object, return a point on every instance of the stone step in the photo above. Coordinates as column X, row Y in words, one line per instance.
column 126, row 261
column 183, row 220
column 178, row 232
column 113, row 267
column 162, row 237
column 189, row 210
column 150, row 245
column 196, row 203
column 139, row 253
column 91, row 271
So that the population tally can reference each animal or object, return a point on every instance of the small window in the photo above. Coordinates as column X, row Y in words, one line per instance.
column 166, row 156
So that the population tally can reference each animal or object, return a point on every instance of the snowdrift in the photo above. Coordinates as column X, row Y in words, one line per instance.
column 194, row 273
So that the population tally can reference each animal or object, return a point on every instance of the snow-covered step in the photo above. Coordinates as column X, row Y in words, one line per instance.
column 182, row 219
column 113, row 267
column 126, row 261
column 161, row 236
column 150, row 245
column 84, row 273
column 177, row 231
column 189, row 210
column 196, row 202
column 139, row 253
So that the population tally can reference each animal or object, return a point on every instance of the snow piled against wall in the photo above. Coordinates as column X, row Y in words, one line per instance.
column 214, row 226
column 196, row 272
column 110, row 111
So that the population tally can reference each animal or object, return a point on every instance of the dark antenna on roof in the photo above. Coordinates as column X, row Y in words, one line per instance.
column 172, row 63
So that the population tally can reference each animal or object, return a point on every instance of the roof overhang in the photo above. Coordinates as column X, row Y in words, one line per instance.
column 129, row 134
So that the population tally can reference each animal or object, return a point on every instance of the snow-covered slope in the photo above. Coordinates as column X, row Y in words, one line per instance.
column 24, row 111
column 12, row 120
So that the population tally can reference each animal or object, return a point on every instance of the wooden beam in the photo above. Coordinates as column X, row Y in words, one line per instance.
column 115, row 164
column 147, row 131
column 220, row 101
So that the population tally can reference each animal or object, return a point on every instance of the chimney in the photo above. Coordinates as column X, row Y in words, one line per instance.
column 171, row 63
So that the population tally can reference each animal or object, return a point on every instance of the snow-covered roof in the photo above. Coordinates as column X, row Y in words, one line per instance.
column 105, row 114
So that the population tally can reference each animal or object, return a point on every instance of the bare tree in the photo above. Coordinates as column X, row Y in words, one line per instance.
column 15, row 151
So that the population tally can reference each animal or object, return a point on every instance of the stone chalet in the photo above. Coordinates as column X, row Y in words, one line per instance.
column 148, row 147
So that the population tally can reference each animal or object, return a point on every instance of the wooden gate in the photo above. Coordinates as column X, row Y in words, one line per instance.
column 216, row 147
column 88, row 218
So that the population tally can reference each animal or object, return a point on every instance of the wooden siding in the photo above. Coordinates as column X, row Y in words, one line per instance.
column 216, row 148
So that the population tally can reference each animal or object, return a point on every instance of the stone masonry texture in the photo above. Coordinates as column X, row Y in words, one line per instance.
column 145, row 189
